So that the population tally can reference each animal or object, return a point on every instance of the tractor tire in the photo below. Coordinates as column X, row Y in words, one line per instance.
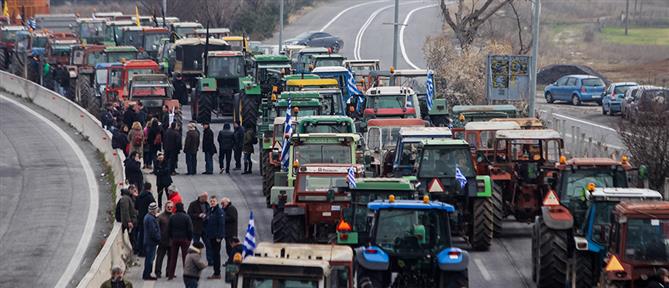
column 458, row 279
column 268, row 183
column 481, row 224
column 3, row 60
column 205, row 106
column 264, row 159
column 372, row 279
column 70, row 91
column 179, row 118
column 287, row 229
column 87, row 96
column 582, row 274
column 498, row 209
column 17, row 65
column 249, row 111
column 550, row 257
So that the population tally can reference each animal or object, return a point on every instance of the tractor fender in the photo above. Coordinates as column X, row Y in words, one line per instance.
column 294, row 210
column 483, row 186
column 557, row 217
column 453, row 259
column 372, row 258
column 278, row 190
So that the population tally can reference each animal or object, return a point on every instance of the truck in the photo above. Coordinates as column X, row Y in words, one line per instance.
column 411, row 238
column 380, row 140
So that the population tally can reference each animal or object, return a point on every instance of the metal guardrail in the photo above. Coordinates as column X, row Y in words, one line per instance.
column 115, row 250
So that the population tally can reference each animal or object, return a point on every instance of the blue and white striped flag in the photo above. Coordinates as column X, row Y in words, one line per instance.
column 429, row 89
column 250, row 238
column 353, row 89
column 350, row 177
column 287, row 131
column 461, row 178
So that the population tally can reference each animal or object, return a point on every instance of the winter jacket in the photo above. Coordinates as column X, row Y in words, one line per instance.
column 195, row 208
column 133, row 172
column 129, row 117
column 175, row 198
column 142, row 203
column 128, row 211
column 249, row 136
column 141, row 117
column 119, row 140
column 234, row 250
column 194, row 263
column 208, row 141
column 226, row 140
column 154, row 131
column 192, row 143
column 180, row 91
column 163, row 222
column 172, row 141
column 151, row 230
column 180, row 227
column 239, row 138
column 120, row 284
column 230, row 221
column 215, row 225
column 162, row 172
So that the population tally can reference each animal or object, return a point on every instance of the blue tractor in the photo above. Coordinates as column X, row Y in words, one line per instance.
column 413, row 239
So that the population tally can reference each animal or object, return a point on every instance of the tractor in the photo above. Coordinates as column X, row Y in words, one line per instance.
column 362, row 69
column 405, row 152
column 216, row 33
column 310, row 209
column 353, row 229
column 238, row 43
column 327, row 60
column 445, row 170
column 637, row 244
column 57, row 53
column 303, row 59
column 380, row 139
column 145, row 39
column 479, row 113
column 185, row 57
column 83, row 60
column 293, row 265
column 29, row 46
column 416, row 79
column 113, row 31
column 412, row 239
column 481, row 135
column 181, row 29
column 120, row 53
column 92, row 31
column 7, row 42
column 570, row 235
column 120, row 74
column 155, row 92
column 390, row 102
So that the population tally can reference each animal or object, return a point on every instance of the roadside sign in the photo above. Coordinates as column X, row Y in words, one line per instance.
column 508, row 77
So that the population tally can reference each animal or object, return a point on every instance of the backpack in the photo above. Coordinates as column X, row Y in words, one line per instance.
column 137, row 139
column 117, row 213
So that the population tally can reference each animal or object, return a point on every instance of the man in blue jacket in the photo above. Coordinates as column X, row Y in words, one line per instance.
column 151, row 239
column 215, row 231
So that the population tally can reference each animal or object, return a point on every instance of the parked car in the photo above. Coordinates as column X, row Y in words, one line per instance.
column 612, row 98
column 317, row 39
column 645, row 100
column 575, row 89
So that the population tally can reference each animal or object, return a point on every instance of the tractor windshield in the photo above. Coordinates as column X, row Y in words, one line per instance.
column 417, row 83
column 386, row 101
column 226, row 67
column 261, row 282
column 149, row 92
column 94, row 58
column 152, row 41
column 133, row 72
column 443, row 161
column 411, row 231
column 117, row 56
column 382, row 137
column 573, row 183
column 647, row 240
column 323, row 153
column 326, row 127
column 328, row 62
column 101, row 76
column 9, row 35
column 91, row 30
column 304, row 110
column 320, row 183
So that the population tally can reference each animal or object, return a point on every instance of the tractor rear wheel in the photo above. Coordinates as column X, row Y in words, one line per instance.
column 582, row 274
column 481, row 223
column 3, row 60
column 87, row 96
column 287, row 229
column 249, row 111
column 268, row 182
column 17, row 64
column 70, row 91
column 551, row 257
column 498, row 208
column 459, row 279
column 205, row 105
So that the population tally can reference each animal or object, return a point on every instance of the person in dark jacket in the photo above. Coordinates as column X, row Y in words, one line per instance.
column 142, row 204
column 235, row 247
column 239, row 144
column 172, row 145
column 128, row 213
column 163, row 176
column 151, row 239
column 164, row 245
column 191, row 146
column 133, row 171
column 209, row 148
column 116, row 280
column 180, row 232
column 142, row 114
column 180, row 89
column 226, row 142
column 197, row 210
column 154, row 140
column 215, row 231
column 129, row 116
column 120, row 139
column 230, row 224
column 249, row 137
column 660, row 279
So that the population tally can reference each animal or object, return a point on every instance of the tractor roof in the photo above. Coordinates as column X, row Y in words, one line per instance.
column 330, row 168
column 300, row 76
column 321, row 265
column 199, row 41
column 353, row 136
column 608, row 162
column 487, row 126
column 225, row 54
column 13, row 28
column 187, row 25
column 410, row 205
column 120, row 23
column 444, row 142
column 299, row 95
column 395, row 122
column 212, row 31
column 644, row 209
column 328, row 69
column 410, row 72
column 327, row 56
column 234, row 38
column 119, row 49
column 325, row 252
column 525, row 123
column 425, row 131
column 537, row 134
column 619, row 194
column 299, row 103
column 106, row 65
column 483, row 108
column 282, row 120
column 312, row 82
column 393, row 184
column 389, row 90
column 363, row 62
column 143, row 63
column 312, row 50
column 325, row 119
column 145, row 29
column 271, row 58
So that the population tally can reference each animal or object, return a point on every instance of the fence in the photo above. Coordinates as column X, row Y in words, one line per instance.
column 114, row 251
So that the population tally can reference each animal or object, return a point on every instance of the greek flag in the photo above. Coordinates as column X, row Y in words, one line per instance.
column 351, row 177
column 250, row 238
column 429, row 89
column 287, row 129
column 461, row 178
column 31, row 23
column 352, row 89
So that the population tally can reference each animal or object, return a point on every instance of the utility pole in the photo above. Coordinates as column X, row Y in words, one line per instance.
column 396, row 30
column 280, row 25
column 535, row 54
column 164, row 10
column 627, row 15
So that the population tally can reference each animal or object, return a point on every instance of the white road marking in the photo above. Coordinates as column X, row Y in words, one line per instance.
column 484, row 271
column 363, row 28
column 346, row 10
column 91, row 218
column 404, row 26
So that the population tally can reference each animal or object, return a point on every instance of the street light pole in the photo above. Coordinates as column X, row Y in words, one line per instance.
column 164, row 10
column 280, row 25
column 534, row 58
column 627, row 15
column 396, row 30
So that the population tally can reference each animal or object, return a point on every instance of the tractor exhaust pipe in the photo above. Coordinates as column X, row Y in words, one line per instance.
column 206, row 51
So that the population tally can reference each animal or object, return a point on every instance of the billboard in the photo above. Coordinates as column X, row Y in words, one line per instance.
column 508, row 77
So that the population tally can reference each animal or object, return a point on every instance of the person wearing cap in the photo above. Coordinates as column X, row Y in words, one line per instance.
column 163, row 176
column 209, row 148
column 190, row 148
column 116, row 280
column 193, row 265
column 215, row 231
column 151, row 239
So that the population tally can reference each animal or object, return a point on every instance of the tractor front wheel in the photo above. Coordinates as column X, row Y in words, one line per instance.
column 204, row 107
column 498, row 208
column 87, row 96
column 3, row 59
column 459, row 279
column 582, row 274
column 481, row 223
column 550, row 256
column 268, row 182
column 287, row 229
column 249, row 111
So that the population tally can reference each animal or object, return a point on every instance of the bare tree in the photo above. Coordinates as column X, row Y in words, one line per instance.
column 469, row 17
column 647, row 139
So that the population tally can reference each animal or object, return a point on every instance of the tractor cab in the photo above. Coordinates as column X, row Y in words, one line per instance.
column 481, row 135
column 238, row 43
column 217, row 33
column 408, row 143
column 59, row 47
column 305, row 107
column 145, row 39
column 327, row 60
column 363, row 69
column 325, row 124
column 293, row 84
column 269, row 70
column 92, row 31
column 304, row 58
column 120, row 53
column 391, row 102
column 480, row 113
column 524, row 123
column 412, row 239
column 119, row 76
column 154, row 91
column 85, row 57
column 114, row 31
column 181, row 29
column 380, row 140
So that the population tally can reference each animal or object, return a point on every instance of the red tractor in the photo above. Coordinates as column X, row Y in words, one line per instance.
column 119, row 76
column 82, row 70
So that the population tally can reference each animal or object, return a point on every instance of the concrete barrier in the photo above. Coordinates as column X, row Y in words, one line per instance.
column 115, row 250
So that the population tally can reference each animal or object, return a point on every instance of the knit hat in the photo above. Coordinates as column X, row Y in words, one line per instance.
column 153, row 207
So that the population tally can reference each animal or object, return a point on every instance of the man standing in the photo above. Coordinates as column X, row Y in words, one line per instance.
column 142, row 203
column 163, row 176
column 230, row 224
column 197, row 210
column 249, row 137
column 164, row 245
column 193, row 265
column 133, row 170
column 128, row 216
column 215, row 231
column 239, row 144
column 226, row 142
column 180, row 231
column 208, row 148
column 172, row 145
column 116, row 280
column 190, row 148
column 151, row 239
column 180, row 89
